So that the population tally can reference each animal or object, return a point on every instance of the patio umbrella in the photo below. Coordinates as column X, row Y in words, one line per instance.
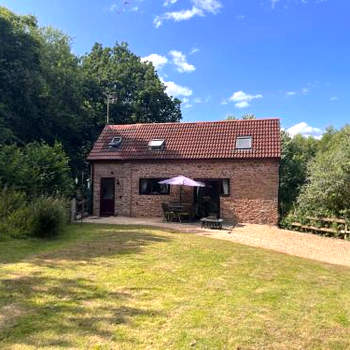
column 182, row 181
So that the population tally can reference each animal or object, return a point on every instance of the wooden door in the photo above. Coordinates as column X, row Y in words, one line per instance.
column 107, row 196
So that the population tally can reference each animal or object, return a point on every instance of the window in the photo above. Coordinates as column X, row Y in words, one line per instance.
column 115, row 142
column 152, row 187
column 219, row 187
column 243, row 142
column 225, row 187
column 156, row 144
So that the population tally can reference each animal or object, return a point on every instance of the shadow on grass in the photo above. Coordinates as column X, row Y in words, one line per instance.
column 107, row 242
column 53, row 308
column 67, row 308
column 83, row 242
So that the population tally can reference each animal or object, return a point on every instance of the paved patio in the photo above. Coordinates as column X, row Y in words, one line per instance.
column 305, row 245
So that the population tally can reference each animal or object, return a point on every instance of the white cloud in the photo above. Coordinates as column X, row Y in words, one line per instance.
column 186, row 102
column 334, row 98
column 177, row 16
column 194, row 50
column 113, row 7
column 175, row 90
column 123, row 6
column 197, row 100
column 242, row 96
column 179, row 59
column 291, row 93
column 305, row 130
column 169, row 2
column 305, row 91
column 242, row 99
column 211, row 6
column 157, row 60
column 243, row 104
column 199, row 8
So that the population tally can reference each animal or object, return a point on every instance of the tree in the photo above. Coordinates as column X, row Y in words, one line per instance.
column 244, row 117
column 296, row 152
column 47, row 93
column 248, row 116
column 20, row 75
column 64, row 116
column 138, row 92
column 327, row 190
column 39, row 169
column 231, row 117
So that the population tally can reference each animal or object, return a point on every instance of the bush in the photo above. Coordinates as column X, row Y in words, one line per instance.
column 14, row 214
column 10, row 201
column 39, row 169
column 19, row 223
column 44, row 217
column 49, row 217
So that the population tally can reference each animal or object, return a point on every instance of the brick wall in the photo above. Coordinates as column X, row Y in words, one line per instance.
column 253, row 186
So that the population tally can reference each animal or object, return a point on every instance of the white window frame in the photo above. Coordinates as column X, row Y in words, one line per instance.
column 247, row 138
column 156, row 144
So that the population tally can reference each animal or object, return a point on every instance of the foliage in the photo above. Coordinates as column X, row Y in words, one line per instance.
column 139, row 95
column 49, row 217
column 327, row 191
column 231, row 117
column 248, row 116
column 20, row 75
column 13, row 214
column 41, row 217
column 296, row 152
column 47, row 93
column 36, row 169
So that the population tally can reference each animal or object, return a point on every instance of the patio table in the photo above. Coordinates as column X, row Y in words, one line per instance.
column 212, row 222
column 179, row 210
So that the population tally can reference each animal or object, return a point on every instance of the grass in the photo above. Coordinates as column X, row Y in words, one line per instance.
column 119, row 287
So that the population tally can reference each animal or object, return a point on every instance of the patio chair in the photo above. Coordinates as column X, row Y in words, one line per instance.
column 185, row 213
column 168, row 214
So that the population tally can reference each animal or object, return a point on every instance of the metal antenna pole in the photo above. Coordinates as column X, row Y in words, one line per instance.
column 110, row 99
column 107, row 119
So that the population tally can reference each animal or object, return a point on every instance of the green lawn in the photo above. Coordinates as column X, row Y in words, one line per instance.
column 118, row 287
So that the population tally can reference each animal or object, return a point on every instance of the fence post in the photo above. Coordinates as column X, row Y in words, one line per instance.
column 73, row 209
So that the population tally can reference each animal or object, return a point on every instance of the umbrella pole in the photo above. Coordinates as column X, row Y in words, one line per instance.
column 180, row 194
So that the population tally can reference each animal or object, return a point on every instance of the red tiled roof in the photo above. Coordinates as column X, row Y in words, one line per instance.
column 200, row 140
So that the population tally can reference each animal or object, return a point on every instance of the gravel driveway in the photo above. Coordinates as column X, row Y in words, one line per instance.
column 305, row 245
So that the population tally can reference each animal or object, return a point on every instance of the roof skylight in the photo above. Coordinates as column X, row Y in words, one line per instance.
column 156, row 144
column 115, row 142
column 244, row 142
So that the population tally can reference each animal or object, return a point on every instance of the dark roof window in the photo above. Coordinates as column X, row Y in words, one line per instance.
column 244, row 142
column 115, row 142
column 156, row 144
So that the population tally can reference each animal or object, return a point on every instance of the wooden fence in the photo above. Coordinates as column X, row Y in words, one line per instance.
column 331, row 227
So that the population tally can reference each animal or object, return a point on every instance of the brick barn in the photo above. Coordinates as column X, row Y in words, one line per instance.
column 237, row 160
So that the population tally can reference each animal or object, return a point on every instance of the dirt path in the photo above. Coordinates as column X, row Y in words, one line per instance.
column 305, row 245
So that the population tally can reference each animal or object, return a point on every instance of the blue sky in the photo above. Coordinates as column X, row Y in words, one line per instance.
column 274, row 58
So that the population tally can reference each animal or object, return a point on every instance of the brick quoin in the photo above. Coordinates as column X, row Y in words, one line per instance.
column 253, row 186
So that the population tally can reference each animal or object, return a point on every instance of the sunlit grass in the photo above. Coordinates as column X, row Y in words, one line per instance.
column 119, row 287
